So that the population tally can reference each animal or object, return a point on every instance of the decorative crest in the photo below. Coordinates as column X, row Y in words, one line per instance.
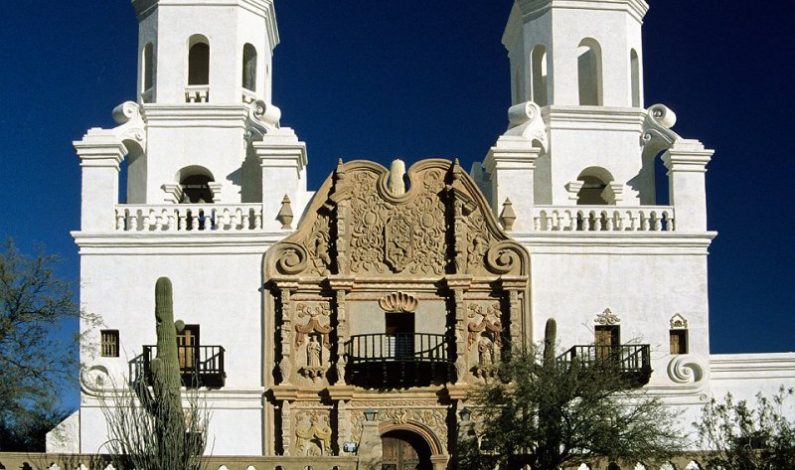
column 398, row 302
column 607, row 318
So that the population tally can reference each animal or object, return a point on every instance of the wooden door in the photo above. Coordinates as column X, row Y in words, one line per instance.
column 399, row 455
column 188, row 347
column 607, row 341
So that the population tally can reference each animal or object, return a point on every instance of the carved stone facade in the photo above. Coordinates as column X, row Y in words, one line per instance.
column 431, row 259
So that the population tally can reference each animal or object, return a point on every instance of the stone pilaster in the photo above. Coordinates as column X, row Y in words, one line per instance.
column 511, row 164
column 687, row 163
column 100, row 152
column 283, row 161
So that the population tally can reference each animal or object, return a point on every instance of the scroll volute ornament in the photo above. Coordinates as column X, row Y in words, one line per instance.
column 287, row 259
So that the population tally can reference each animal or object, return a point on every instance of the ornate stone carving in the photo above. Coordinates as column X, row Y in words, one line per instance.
column 318, row 244
column 607, row 317
column 504, row 258
column 678, row 322
column 317, row 328
column 398, row 242
column 312, row 434
column 485, row 331
column 398, row 302
column 433, row 418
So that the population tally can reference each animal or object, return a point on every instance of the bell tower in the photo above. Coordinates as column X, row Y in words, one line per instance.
column 203, row 129
column 576, row 53
column 217, row 52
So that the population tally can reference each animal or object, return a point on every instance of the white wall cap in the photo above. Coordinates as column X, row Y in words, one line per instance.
column 511, row 152
column 281, row 148
column 687, row 155
column 100, row 147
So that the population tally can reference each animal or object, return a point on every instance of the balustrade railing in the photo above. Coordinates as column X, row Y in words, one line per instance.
column 188, row 218
column 603, row 219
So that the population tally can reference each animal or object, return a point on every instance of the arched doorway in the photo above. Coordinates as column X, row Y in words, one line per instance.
column 405, row 450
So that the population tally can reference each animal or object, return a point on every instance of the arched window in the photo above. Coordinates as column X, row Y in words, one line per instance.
column 195, row 184
column 539, row 75
column 595, row 189
column 199, row 61
column 148, row 66
column 589, row 68
column 635, row 77
column 249, row 67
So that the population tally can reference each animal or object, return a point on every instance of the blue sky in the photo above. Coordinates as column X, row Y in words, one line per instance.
column 379, row 79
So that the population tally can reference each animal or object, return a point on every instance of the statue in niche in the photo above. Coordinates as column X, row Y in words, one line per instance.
column 314, row 359
column 485, row 353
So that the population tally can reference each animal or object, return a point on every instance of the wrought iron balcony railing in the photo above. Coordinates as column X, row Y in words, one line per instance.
column 632, row 361
column 199, row 366
column 399, row 360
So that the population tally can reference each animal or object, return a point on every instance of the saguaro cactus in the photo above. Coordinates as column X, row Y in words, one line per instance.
column 165, row 401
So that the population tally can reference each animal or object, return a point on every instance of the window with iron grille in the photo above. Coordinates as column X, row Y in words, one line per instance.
column 109, row 343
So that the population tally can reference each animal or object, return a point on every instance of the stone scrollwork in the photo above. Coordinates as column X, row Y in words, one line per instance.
column 433, row 418
column 131, row 126
column 290, row 258
column 262, row 117
column 525, row 120
column 504, row 258
column 685, row 369
column 95, row 379
column 313, row 434
column 678, row 322
column 318, row 244
column 657, row 128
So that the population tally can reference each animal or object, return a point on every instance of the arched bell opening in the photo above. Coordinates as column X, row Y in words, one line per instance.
column 195, row 183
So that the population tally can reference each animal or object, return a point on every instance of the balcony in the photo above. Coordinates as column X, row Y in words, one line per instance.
column 398, row 360
column 189, row 218
column 199, row 366
column 603, row 219
column 632, row 361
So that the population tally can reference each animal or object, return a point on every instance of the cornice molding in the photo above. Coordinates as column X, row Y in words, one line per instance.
column 176, row 244
column 533, row 8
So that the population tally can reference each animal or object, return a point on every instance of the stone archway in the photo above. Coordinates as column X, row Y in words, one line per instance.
column 409, row 446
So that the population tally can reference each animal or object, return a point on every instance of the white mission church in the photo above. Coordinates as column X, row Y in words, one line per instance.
column 391, row 290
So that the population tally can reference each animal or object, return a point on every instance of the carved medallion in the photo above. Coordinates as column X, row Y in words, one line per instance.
column 398, row 242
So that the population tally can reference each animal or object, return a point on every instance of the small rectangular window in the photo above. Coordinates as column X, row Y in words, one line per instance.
column 678, row 341
column 109, row 343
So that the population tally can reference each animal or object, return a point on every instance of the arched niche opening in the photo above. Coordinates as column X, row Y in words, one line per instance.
column 249, row 67
column 595, row 188
column 198, row 60
column 538, row 60
column 194, row 181
column 589, row 72
column 634, row 64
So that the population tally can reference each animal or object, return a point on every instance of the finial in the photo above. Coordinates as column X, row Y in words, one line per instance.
column 395, row 184
column 508, row 216
column 285, row 215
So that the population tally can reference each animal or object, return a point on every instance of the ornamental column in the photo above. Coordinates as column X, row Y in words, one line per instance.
column 100, row 153
column 687, row 162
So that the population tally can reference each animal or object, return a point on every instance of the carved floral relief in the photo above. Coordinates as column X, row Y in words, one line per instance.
column 312, row 433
